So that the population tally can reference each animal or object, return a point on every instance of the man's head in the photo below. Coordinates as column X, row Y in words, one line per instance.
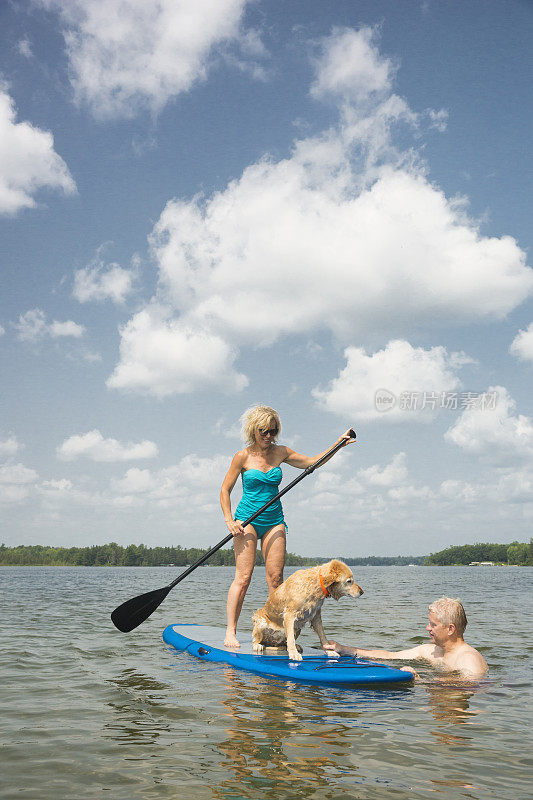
column 446, row 617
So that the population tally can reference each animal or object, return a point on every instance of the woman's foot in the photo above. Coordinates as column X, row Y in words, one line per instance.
column 231, row 640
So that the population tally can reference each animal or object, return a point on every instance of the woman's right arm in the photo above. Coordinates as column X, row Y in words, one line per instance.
column 225, row 490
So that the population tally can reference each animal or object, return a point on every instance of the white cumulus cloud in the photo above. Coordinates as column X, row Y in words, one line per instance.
column 93, row 445
column 28, row 161
column 395, row 253
column 33, row 326
column 392, row 474
column 68, row 328
column 160, row 356
column 515, row 486
column 351, row 66
column 9, row 446
column 352, row 229
column 17, row 474
column 57, row 494
column 101, row 281
column 16, row 482
column 192, row 483
column 494, row 430
column 127, row 54
column 397, row 369
column 135, row 481
column 522, row 344
column 406, row 494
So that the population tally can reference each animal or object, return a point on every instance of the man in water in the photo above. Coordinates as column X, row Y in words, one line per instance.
column 448, row 649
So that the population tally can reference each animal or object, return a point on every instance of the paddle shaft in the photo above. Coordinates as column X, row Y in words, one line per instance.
column 287, row 488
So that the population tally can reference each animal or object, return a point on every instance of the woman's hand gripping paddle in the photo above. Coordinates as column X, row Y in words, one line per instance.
column 133, row 612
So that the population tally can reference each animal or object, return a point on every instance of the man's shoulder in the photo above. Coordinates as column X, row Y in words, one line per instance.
column 469, row 655
column 466, row 649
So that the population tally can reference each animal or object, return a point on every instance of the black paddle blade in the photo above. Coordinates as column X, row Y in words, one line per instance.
column 131, row 613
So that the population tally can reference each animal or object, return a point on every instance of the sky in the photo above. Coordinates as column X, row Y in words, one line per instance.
column 320, row 206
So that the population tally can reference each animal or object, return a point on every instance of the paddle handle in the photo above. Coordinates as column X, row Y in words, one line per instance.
column 287, row 488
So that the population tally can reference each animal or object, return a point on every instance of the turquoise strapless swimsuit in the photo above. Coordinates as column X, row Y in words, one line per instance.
column 258, row 488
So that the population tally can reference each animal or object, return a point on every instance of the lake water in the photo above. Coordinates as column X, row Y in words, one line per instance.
column 89, row 712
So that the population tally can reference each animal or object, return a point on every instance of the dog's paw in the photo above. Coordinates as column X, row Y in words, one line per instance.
column 258, row 648
column 296, row 656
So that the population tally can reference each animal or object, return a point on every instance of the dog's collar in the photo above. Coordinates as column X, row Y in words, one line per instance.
column 326, row 593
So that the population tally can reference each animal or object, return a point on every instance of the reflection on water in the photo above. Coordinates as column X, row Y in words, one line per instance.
column 141, row 710
column 130, row 679
column 277, row 739
column 134, row 721
column 449, row 704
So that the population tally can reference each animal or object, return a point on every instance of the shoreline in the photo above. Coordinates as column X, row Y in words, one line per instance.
column 315, row 562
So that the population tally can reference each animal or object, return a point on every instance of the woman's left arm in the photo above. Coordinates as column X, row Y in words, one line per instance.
column 302, row 462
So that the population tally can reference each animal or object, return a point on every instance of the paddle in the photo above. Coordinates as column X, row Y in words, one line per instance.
column 130, row 614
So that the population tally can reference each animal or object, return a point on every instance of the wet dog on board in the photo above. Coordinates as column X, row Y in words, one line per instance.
column 297, row 601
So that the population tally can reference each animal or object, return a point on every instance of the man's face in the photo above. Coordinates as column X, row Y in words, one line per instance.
column 439, row 633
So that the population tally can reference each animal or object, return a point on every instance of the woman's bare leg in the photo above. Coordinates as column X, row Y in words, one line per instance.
column 273, row 547
column 244, row 547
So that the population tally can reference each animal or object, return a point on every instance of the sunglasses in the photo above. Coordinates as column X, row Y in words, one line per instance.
column 266, row 431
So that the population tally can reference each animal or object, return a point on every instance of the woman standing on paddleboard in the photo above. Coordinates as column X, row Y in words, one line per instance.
column 258, row 464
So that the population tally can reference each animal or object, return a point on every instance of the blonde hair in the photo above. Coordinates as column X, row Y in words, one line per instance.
column 259, row 417
column 450, row 611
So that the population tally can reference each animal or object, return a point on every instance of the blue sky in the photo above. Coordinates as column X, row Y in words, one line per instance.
column 210, row 204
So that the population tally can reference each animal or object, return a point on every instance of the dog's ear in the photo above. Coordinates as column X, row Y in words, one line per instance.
column 334, row 571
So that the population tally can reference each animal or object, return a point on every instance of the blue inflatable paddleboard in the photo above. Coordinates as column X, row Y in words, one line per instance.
column 207, row 643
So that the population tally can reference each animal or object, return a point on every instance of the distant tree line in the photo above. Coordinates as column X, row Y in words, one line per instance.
column 519, row 553
column 134, row 555
column 385, row 561
column 138, row 555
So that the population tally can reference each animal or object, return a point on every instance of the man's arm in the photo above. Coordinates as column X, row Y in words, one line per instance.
column 346, row 650
column 407, row 655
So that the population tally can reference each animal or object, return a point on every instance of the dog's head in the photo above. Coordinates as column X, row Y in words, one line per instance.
column 338, row 580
